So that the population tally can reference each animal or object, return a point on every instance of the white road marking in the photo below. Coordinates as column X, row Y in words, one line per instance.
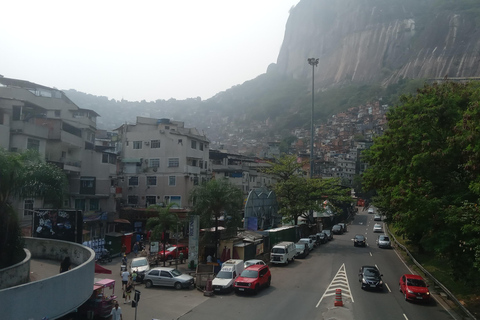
column 388, row 288
column 371, row 255
column 340, row 281
column 405, row 316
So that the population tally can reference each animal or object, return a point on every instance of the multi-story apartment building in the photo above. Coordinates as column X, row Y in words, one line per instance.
column 44, row 119
column 161, row 161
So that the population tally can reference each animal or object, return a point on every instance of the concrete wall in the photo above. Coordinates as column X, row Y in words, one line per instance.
column 17, row 274
column 54, row 296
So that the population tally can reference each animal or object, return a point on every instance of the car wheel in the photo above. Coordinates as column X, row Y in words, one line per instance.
column 177, row 285
column 148, row 284
column 406, row 297
column 257, row 288
column 268, row 282
column 169, row 257
column 399, row 287
column 286, row 262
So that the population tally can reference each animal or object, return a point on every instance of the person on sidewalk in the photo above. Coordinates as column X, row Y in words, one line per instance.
column 125, row 277
column 116, row 312
column 128, row 290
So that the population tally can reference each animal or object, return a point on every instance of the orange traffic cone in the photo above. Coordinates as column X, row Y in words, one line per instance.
column 338, row 298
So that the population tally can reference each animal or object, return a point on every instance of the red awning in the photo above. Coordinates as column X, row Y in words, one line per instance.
column 100, row 269
column 121, row 221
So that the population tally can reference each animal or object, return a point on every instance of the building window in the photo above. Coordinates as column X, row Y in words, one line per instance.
column 133, row 181
column 57, row 113
column 94, row 205
column 132, row 200
column 87, row 185
column 151, row 180
column 154, row 163
column 33, row 144
column 155, row 144
column 200, row 164
column 109, row 158
column 172, row 181
column 194, row 144
column 28, row 207
column 195, row 181
column 80, row 204
column 201, row 146
column 173, row 162
column 194, row 163
column 137, row 144
column 174, row 199
column 180, row 141
column 149, row 200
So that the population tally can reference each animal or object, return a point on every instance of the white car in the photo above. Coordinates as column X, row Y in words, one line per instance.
column 307, row 241
column 252, row 262
column 383, row 241
column 140, row 266
column 377, row 227
column 377, row 217
column 370, row 210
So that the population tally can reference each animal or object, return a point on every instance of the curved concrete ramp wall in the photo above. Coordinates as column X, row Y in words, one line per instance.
column 17, row 274
column 54, row 296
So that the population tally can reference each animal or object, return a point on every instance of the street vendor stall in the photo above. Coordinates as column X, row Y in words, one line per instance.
column 101, row 301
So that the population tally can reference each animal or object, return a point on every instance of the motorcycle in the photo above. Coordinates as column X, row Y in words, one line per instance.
column 105, row 257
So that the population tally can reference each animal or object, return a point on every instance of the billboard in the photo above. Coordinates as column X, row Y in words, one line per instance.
column 58, row 224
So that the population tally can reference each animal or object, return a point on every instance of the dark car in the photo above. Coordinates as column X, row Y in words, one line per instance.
column 253, row 278
column 302, row 250
column 337, row 229
column 359, row 240
column 344, row 226
column 370, row 278
column 414, row 287
column 328, row 233
column 323, row 237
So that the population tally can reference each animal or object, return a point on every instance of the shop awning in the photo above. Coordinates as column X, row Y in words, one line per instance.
column 121, row 221
column 100, row 269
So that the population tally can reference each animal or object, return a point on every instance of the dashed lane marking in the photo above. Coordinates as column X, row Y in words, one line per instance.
column 340, row 281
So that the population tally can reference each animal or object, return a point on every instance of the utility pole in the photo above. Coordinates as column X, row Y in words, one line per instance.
column 313, row 62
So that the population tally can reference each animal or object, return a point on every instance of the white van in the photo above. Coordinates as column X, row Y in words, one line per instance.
column 283, row 252
column 224, row 280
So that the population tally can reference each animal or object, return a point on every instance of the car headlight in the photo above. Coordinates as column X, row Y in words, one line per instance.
column 364, row 281
column 427, row 293
column 409, row 291
column 381, row 282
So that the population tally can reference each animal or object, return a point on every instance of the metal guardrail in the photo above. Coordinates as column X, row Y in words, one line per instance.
column 431, row 277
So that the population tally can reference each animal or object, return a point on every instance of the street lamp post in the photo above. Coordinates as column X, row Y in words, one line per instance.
column 313, row 62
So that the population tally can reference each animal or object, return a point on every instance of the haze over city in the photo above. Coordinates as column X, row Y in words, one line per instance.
column 144, row 51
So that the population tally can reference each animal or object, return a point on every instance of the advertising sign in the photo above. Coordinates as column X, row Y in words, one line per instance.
column 58, row 224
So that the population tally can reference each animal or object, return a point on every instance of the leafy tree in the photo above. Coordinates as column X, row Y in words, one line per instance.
column 24, row 175
column 165, row 221
column 297, row 195
column 425, row 171
column 215, row 198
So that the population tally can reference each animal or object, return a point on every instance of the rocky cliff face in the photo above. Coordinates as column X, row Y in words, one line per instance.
column 381, row 40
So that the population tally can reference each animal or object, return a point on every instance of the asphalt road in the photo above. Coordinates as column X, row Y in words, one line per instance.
column 304, row 289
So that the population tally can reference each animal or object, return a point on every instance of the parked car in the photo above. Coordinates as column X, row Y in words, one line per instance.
column 307, row 241
column 344, row 226
column 328, row 233
column 253, row 279
column 377, row 227
column 140, row 265
column 323, row 237
column 414, row 287
column 283, row 252
column 337, row 229
column 370, row 278
column 169, row 277
column 383, row 241
column 315, row 239
column 377, row 217
column 302, row 250
column 231, row 269
column 251, row 262
column 173, row 252
column 359, row 240
column 371, row 210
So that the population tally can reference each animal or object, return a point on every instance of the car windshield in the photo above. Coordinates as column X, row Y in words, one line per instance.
column 384, row 238
column 336, row 227
column 249, row 274
column 171, row 249
column 300, row 246
column 358, row 237
column 371, row 272
column 278, row 250
column 175, row 273
column 225, row 275
column 326, row 231
column 139, row 263
column 416, row 283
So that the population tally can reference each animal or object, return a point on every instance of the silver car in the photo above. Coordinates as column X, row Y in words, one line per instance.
column 168, row 277
column 383, row 241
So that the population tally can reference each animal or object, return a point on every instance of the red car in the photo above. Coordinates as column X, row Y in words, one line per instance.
column 414, row 287
column 173, row 252
column 253, row 278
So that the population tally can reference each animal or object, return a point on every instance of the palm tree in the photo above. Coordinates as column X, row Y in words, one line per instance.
column 215, row 198
column 166, row 220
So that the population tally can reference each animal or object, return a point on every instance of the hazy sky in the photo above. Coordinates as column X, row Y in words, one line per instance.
column 141, row 49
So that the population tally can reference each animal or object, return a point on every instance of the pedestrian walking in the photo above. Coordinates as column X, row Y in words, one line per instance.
column 65, row 265
column 128, row 290
column 135, row 248
column 125, row 277
column 116, row 312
